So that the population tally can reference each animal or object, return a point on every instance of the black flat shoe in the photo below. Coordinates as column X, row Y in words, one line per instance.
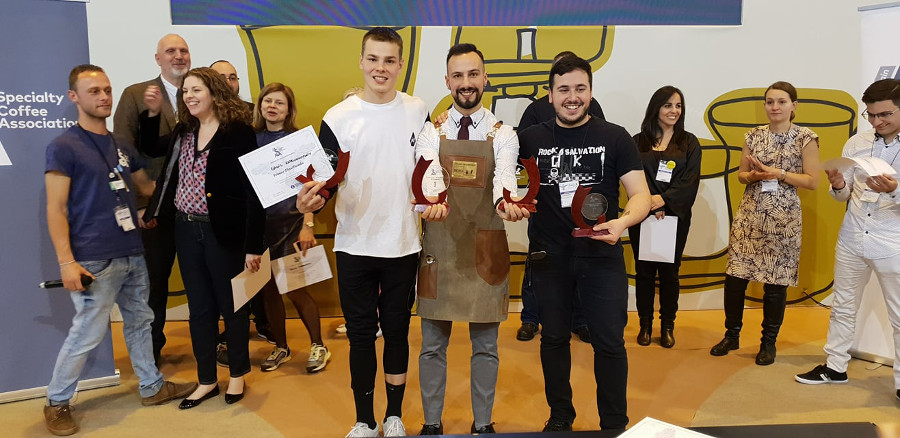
column 188, row 404
column 234, row 398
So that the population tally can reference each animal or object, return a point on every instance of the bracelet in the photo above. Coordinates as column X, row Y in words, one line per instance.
column 67, row 263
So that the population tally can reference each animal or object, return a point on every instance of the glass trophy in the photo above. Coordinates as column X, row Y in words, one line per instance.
column 326, row 165
column 429, row 184
column 587, row 206
column 526, row 180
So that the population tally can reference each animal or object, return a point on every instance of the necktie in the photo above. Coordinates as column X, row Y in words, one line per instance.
column 464, row 124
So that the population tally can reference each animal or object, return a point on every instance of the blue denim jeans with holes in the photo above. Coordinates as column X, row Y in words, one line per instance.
column 122, row 281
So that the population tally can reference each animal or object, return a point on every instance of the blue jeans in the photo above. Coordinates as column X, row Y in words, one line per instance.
column 603, row 288
column 123, row 281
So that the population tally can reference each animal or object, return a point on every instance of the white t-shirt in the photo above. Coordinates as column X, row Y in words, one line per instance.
column 374, row 214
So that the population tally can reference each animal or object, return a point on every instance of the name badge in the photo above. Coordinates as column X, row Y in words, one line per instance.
column 769, row 185
column 567, row 192
column 664, row 173
column 869, row 196
column 123, row 217
column 117, row 185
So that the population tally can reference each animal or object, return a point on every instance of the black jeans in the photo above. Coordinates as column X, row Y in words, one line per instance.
column 159, row 251
column 207, row 268
column 529, row 304
column 602, row 286
column 376, row 290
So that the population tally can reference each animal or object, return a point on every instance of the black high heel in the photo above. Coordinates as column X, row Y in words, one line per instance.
column 188, row 404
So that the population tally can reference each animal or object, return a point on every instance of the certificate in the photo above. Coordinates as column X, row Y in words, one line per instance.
column 872, row 166
column 294, row 271
column 653, row 428
column 272, row 169
column 247, row 284
column 658, row 239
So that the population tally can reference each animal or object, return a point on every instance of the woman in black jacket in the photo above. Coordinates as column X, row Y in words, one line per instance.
column 219, row 222
column 671, row 161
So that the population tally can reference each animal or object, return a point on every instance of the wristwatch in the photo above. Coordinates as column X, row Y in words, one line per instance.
column 783, row 174
column 310, row 224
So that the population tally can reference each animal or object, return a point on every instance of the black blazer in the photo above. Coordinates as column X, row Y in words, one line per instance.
column 235, row 213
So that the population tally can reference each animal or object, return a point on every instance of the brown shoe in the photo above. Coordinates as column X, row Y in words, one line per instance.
column 168, row 392
column 59, row 420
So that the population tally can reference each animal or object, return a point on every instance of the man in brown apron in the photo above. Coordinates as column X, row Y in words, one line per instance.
column 465, row 249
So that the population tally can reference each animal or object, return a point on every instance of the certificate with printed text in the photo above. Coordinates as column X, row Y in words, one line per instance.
column 272, row 169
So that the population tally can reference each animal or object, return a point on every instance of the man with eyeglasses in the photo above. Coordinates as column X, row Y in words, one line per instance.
column 229, row 73
column 869, row 239
column 174, row 60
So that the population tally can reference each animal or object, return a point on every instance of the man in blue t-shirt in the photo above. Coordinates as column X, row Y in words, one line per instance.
column 91, row 181
column 576, row 149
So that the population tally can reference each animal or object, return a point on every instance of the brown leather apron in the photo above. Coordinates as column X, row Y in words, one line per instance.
column 464, row 268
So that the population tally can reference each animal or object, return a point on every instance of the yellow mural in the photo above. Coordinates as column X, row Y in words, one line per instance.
column 320, row 63
column 829, row 113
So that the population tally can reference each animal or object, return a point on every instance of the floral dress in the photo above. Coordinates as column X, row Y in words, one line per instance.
column 765, row 239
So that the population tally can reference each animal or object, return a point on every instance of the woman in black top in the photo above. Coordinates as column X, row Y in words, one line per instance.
column 219, row 222
column 671, row 160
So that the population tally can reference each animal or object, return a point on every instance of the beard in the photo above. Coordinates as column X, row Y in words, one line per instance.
column 573, row 120
column 475, row 99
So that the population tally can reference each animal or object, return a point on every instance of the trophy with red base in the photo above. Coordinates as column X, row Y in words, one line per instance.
column 527, row 176
column 588, row 206
column 430, row 182
column 320, row 168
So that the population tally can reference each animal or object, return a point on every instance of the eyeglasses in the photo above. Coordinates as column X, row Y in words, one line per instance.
column 882, row 116
column 231, row 78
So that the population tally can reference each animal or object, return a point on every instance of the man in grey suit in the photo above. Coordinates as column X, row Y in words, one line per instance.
column 174, row 61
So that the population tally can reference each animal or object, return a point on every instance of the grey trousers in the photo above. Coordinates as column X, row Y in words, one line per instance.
column 433, row 368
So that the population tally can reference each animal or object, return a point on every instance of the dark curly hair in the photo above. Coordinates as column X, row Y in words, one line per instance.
column 226, row 104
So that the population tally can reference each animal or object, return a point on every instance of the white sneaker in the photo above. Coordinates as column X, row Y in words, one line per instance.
column 362, row 430
column 318, row 358
column 393, row 426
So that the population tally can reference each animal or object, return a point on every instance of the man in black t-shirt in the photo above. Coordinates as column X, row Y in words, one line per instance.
column 577, row 149
column 539, row 111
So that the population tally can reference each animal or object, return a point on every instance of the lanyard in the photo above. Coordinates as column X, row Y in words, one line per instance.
column 114, row 171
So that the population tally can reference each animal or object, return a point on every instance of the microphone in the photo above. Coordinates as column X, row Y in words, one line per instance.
column 50, row 284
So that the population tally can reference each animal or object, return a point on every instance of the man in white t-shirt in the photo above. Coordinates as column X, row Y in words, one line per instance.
column 376, row 243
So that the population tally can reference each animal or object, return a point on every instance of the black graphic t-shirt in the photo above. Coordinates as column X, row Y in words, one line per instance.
column 595, row 154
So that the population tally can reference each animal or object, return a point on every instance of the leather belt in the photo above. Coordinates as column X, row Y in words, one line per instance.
column 192, row 217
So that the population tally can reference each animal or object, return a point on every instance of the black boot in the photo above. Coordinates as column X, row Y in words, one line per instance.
column 724, row 346
column 643, row 337
column 766, row 355
column 666, row 335
column 774, row 299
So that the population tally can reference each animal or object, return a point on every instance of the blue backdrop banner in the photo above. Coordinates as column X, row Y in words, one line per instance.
column 44, row 40
column 457, row 12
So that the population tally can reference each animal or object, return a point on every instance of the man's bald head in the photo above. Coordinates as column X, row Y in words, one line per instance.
column 173, row 58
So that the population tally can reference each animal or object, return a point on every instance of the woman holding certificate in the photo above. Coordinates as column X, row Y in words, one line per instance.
column 219, row 222
column 765, row 237
column 274, row 119
column 671, row 161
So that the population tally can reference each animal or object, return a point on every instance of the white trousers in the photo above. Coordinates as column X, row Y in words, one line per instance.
column 851, row 273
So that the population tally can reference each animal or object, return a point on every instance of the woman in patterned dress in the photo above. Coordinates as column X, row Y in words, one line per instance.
column 764, row 245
